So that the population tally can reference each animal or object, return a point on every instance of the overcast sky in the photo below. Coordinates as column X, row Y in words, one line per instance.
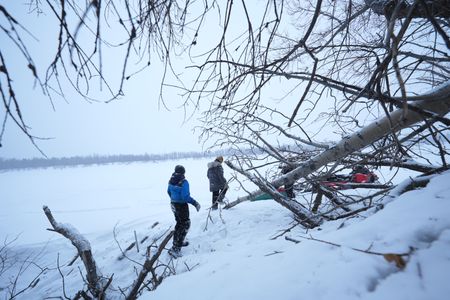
column 134, row 124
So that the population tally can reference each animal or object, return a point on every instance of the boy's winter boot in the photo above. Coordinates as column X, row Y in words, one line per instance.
column 175, row 252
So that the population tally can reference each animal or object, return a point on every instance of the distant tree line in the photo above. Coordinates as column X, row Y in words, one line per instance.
column 95, row 159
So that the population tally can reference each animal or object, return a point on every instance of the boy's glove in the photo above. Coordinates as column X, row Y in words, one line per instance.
column 197, row 206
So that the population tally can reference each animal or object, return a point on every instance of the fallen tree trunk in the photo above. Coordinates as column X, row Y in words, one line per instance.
column 399, row 119
column 303, row 215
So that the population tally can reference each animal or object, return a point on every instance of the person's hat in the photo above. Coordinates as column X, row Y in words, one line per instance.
column 219, row 158
column 180, row 169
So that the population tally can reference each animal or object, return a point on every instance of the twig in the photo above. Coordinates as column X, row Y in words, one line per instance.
column 291, row 239
column 355, row 249
column 285, row 231
column 148, row 267
column 73, row 260
column 137, row 244
column 273, row 253
column 62, row 278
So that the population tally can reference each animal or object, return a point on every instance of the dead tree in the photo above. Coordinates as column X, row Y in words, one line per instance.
column 96, row 285
column 366, row 57
column 304, row 216
column 394, row 122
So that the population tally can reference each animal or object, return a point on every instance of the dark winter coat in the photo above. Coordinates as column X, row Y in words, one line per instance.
column 178, row 190
column 286, row 168
column 215, row 175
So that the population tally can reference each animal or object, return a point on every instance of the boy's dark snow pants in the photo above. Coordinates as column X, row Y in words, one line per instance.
column 181, row 213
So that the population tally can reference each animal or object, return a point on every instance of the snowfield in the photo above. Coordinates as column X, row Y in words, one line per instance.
column 246, row 252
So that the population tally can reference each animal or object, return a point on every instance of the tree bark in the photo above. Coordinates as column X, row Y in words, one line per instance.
column 398, row 120
column 84, row 251
column 435, row 8
column 303, row 215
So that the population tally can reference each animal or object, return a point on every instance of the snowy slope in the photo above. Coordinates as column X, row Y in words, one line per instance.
column 235, row 254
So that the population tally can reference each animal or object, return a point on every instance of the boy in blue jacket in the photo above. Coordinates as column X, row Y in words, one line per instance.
column 178, row 191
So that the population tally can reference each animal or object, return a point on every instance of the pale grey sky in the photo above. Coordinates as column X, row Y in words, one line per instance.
column 134, row 124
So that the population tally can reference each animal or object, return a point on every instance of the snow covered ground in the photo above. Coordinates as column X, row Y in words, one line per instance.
column 236, row 254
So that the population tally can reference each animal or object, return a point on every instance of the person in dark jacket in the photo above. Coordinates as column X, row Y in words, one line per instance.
column 217, row 183
column 289, row 188
column 178, row 190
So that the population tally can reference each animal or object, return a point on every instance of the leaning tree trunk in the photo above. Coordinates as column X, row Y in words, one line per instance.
column 304, row 216
column 84, row 251
column 399, row 119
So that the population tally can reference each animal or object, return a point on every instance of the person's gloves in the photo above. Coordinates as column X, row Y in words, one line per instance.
column 197, row 206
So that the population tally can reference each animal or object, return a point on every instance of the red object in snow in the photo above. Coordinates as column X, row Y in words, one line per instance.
column 360, row 178
column 364, row 178
column 343, row 182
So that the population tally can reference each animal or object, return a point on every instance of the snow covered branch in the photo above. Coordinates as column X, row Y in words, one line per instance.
column 84, row 250
column 305, row 217
column 401, row 8
column 399, row 119
column 405, row 164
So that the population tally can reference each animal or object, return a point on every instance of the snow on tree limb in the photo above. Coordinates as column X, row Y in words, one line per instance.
column 68, row 231
column 304, row 216
column 399, row 119
column 401, row 8
column 84, row 250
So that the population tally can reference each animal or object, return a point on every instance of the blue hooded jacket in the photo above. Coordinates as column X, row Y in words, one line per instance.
column 178, row 190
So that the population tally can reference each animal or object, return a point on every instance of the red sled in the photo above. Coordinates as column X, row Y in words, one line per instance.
column 343, row 182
